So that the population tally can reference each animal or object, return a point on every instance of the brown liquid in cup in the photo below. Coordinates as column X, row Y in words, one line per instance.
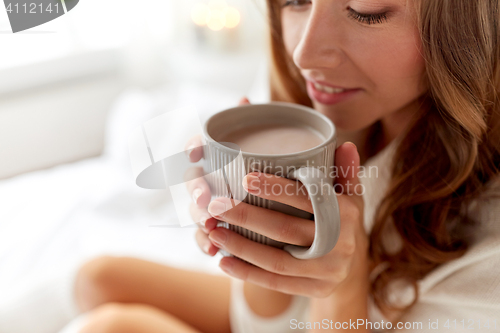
column 273, row 139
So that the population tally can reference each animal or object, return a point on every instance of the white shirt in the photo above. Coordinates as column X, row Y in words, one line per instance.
column 458, row 296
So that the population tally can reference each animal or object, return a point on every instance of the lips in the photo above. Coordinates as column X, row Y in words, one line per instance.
column 328, row 94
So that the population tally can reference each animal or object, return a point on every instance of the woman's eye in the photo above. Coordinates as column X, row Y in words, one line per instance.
column 296, row 3
column 368, row 18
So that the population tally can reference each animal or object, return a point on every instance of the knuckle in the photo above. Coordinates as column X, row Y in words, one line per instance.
column 201, row 237
column 236, row 248
column 202, row 228
column 190, row 175
column 322, row 290
column 244, row 274
column 342, row 273
column 198, row 235
column 350, row 212
column 198, row 215
column 317, row 293
column 328, row 290
column 287, row 231
column 349, row 248
column 273, row 282
column 279, row 266
column 337, row 273
column 242, row 213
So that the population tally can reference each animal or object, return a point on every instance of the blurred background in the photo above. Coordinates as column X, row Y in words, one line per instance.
column 70, row 92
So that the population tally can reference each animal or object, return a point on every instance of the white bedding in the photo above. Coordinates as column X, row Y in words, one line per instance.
column 56, row 218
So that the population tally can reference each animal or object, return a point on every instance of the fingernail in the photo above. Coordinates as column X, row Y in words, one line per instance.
column 217, row 208
column 206, row 247
column 197, row 194
column 251, row 182
column 226, row 266
column 218, row 237
column 352, row 144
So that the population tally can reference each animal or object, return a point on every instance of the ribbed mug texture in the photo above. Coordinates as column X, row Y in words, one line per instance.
column 227, row 166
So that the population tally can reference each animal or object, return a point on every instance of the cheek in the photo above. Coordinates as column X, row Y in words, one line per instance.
column 396, row 65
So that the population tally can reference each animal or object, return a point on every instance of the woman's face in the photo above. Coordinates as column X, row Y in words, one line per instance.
column 360, row 58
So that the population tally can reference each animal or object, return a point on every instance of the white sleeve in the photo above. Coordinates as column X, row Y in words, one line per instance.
column 244, row 320
column 467, row 300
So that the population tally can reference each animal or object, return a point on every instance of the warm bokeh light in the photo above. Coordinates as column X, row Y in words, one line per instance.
column 200, row 13
column 216, row 19
column 216, row 15
column 232, row 17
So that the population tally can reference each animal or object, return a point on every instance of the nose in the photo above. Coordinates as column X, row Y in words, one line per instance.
column 320, row 45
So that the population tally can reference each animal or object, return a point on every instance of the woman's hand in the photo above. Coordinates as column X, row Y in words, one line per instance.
column 276, row 269
column 200, row 192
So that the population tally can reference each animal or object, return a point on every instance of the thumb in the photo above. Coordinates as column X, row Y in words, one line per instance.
column 347, row 165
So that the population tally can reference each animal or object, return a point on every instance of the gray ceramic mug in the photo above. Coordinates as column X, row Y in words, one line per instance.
column 225, row 166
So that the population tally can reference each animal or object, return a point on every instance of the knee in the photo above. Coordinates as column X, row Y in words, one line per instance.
column 112, row 318
column 96, row 281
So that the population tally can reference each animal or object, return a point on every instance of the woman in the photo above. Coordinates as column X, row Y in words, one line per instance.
column 414, row 84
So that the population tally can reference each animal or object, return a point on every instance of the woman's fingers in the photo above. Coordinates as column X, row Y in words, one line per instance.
column 347, row 161
column 205, row 244
column 197, row 186
column 200, row 192
column 194, row 148
column 287, row 191
column 271, row 259
column 202, row 218
column 275, row 225
column 285, row 284
column 206, row 224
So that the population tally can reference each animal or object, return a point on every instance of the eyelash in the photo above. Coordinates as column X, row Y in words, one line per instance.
column 363, row 18
column 368, row 18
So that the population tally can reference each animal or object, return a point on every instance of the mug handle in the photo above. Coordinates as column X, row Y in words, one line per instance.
column 326, row 214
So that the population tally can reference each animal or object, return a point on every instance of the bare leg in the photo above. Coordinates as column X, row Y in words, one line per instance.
column 133, row 318
column 199, row 299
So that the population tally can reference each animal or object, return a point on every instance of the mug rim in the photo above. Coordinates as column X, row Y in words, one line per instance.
column 332, row 137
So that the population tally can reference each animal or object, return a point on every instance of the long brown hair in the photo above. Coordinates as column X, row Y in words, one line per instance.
column 454, row 141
